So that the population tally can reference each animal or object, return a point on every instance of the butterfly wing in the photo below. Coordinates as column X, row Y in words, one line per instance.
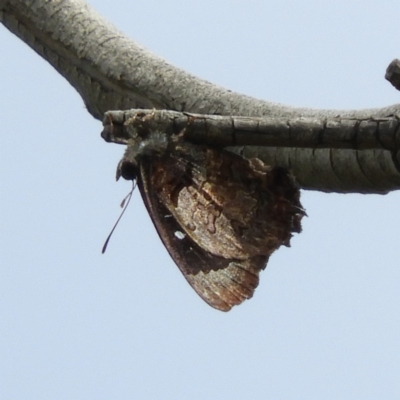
column 222, row 283
column 219, row 215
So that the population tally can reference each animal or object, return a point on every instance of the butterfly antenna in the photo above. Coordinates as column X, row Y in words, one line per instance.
column 124, row 204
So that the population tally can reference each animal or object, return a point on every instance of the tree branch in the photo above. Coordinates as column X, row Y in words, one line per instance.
column 111, row 71
column 250, row 135
column 224, row 131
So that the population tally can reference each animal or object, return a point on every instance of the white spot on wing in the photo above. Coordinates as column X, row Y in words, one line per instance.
column 180, row 235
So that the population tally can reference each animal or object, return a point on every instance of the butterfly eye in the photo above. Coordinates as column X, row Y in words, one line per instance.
column 127, row 170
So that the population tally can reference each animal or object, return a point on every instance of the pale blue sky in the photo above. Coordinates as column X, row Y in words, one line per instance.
column 74, row 324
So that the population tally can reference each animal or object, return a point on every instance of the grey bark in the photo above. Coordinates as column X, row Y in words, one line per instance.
column 111, row 72
column 224, row 131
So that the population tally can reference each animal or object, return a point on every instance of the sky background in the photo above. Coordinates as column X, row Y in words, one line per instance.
column 74, row 324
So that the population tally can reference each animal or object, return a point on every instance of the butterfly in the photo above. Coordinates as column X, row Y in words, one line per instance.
column 219, row 215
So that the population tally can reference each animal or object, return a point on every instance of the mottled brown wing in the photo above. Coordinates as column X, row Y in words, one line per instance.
column 221, row 282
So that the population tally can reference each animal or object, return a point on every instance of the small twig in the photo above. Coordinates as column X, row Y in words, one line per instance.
column 216, row 130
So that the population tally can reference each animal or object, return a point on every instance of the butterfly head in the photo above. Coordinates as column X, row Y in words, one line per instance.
column 138, row 149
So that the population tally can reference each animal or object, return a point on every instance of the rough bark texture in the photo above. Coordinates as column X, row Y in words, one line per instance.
column 250, row 136
column 111, row 72
column 306, row 132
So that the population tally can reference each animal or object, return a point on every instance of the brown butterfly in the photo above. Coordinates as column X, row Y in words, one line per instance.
column 220, row 216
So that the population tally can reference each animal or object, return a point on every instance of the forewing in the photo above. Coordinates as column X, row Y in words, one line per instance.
column 222, row 283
